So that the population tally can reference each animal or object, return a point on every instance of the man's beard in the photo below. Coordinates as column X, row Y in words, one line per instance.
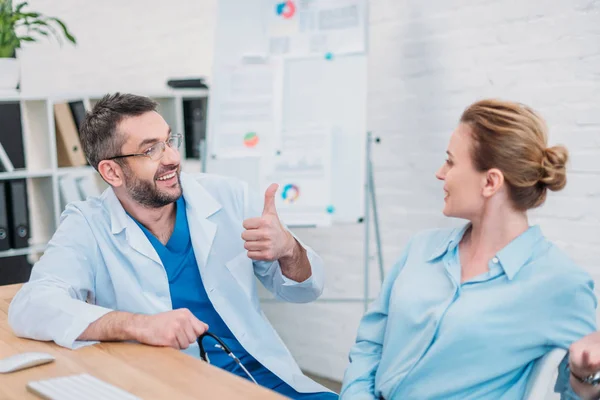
column 146, row 193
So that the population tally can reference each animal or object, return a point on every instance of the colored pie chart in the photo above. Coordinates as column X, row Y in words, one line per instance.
column 290, row 193
column 286, row 9
column 250, row 139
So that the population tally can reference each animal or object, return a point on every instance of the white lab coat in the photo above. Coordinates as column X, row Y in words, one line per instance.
column 99, row 260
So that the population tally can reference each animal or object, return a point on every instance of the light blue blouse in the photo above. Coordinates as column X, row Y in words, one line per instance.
column 429, row 336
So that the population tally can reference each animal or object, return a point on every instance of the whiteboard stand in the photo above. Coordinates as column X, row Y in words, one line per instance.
column 371, row 204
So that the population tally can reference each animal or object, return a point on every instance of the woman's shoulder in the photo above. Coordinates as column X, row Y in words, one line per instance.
column 434, row 236
column 441, row 234
column 434, row 242
column 556, row 264
column 565, row 287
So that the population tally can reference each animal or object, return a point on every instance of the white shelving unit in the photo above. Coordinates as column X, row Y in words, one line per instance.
column 42, row 172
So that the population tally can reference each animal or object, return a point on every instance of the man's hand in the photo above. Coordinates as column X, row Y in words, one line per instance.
column 266, row 238
column 177, row 328
column 584, row 355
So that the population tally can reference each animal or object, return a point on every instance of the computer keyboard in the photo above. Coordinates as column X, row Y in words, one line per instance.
column 78, row 387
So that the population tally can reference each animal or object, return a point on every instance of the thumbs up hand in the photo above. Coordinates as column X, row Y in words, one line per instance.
column 265, row 237
column 269, row 208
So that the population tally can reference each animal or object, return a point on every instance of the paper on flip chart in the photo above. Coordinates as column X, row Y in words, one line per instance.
column 316, row 27
column 302, row 168
column 245, row 107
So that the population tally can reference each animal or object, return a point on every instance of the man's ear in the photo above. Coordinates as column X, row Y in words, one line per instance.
column 111, row 172
column 494, row 180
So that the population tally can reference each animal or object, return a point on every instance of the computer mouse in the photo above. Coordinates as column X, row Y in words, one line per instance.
column 21, row 361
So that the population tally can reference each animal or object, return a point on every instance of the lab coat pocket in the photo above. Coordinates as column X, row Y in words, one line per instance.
column 242, row 269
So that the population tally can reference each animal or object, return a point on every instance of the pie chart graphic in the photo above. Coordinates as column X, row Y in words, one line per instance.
column 290, row 193
column 250, row 139
column 286, row 9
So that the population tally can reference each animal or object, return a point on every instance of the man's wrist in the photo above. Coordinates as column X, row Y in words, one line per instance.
column 295, row 265
column 132, row 327
column 292, row 249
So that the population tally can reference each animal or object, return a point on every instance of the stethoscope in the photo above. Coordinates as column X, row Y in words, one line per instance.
column 221, row 345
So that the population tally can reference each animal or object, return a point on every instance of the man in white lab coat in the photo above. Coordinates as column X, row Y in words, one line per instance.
column 162, row 256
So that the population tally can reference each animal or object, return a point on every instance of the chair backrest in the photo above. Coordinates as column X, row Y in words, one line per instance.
column 543, row 376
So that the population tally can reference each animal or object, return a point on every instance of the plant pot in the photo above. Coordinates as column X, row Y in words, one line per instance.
column 10, row 73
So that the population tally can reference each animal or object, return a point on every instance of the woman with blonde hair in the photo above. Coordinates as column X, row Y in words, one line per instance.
column 466, row 312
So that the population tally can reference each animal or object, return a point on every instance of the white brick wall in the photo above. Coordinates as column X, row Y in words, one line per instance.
column 122, row 45
column 428, row 61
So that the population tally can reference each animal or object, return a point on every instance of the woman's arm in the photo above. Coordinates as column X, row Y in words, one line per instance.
column 359, row 378
column 573, row 317
column 584, row 360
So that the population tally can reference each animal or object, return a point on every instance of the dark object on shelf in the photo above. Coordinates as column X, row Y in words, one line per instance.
column 194, row 117
column 18, row 216
column 78, row 111
column 14, row 270
column 11, row 134
column 192, row 83
column 4, row 227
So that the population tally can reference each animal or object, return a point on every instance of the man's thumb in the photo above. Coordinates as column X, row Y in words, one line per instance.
column 270, row 199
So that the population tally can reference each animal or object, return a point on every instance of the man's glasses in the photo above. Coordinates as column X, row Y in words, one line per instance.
column 157, row 150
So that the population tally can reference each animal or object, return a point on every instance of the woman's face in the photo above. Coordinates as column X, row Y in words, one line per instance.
column 463, row 185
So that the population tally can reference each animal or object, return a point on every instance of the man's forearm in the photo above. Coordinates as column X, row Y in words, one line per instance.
column 586, row 392
column 296, row 266
column 114, row 326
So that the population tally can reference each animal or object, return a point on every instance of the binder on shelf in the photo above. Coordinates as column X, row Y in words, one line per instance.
column 5, row 164
column 4, row 229
column 194, row 117
column 18, row 214
column 11, row 135
column 68, row 146
column 78, row 111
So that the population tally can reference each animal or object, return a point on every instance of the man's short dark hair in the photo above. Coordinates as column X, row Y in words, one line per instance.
column 99, row 137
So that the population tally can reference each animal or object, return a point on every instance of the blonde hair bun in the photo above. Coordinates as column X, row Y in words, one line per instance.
column 554, row 172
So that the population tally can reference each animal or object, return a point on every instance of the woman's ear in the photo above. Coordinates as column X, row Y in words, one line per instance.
column 494, row 180
column 111, row 172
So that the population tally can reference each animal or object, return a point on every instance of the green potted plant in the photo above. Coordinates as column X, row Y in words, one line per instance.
column 18, row 26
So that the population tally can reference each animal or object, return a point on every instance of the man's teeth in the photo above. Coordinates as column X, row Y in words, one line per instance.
column 165, row 177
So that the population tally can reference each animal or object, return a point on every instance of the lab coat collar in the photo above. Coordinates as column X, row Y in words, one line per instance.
column 199, row 206
column 197, row 199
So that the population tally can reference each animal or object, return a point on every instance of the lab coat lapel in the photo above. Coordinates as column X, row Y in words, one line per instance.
column 120, row 221
column 140, row 243
column 200, row 205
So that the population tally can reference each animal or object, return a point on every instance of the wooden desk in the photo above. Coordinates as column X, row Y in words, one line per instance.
column 145, row 371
